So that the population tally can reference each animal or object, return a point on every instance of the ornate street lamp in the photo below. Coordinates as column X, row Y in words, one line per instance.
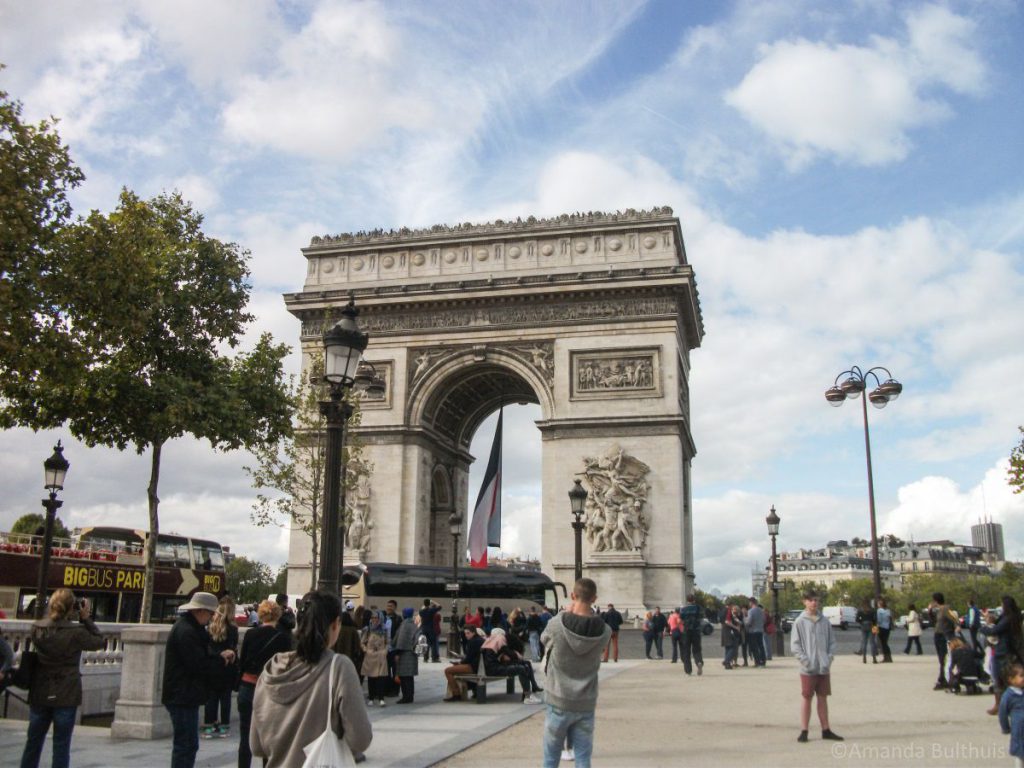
column 454, row 636
column 55, row 468
column 578, row 499
column 343, row 348
column 773, row 531
column 854, row 384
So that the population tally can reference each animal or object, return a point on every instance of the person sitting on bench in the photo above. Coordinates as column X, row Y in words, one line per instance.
column 466, row 665
column 500, row 660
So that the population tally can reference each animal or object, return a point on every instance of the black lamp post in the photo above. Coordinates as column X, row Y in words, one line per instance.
column 773, row 531
column 853, row 386
column 56, row 467
column 454, row 639
column 343, row 349
column 578, row 499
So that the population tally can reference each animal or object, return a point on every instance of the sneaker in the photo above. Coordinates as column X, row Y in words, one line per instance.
column 829, row 736
column 568, row 755
column 207, row 731
column 381, row 703
column 369, row 703
column 802, row 737
column 533, row 698
column 223, row 731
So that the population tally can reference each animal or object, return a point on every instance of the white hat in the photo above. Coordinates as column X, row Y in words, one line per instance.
column 201, row 601
column 349, row 605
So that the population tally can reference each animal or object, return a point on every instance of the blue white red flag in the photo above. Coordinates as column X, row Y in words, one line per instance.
column 486, row 526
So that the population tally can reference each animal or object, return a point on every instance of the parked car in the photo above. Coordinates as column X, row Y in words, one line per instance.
column 788, row 618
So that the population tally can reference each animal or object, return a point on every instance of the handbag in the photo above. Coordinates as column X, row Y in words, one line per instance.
column 22, row 676
column 327, row 750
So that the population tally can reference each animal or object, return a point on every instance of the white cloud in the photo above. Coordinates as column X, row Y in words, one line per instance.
column 859, row 103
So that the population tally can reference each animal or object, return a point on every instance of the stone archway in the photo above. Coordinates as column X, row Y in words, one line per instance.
column 590, row 316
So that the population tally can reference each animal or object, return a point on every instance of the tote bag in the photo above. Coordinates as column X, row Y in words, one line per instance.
column 327, row 750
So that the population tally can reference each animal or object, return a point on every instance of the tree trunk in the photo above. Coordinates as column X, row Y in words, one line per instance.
column 154, row 533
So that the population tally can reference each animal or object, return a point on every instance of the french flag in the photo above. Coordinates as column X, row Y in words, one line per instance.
column 486, row 526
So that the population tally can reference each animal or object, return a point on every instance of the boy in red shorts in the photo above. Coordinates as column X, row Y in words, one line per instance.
column 814, row 646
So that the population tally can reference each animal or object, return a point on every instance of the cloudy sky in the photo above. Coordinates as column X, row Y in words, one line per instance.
column 848, row 178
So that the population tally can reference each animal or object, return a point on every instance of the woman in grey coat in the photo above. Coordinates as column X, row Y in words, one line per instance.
column 407, row 663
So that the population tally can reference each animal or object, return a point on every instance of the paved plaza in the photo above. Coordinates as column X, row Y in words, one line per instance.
column 651, row 714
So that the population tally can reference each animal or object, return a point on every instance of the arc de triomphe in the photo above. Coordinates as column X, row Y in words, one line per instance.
column 592, row 316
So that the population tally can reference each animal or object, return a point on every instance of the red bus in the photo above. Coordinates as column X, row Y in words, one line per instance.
column 105, row 564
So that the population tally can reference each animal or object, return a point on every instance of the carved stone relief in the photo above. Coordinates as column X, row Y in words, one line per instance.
column 539, row 355
column 622, row 373
column 358, row 522
column 449, row 319
column 616, row 496
column 383, row 400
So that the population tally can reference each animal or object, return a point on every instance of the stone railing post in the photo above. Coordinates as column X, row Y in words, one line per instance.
column 138, row 713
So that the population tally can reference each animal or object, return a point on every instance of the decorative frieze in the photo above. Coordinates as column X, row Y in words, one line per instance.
column 458, row 318
column 616, row 494
column 600, row 375
column 538, row 355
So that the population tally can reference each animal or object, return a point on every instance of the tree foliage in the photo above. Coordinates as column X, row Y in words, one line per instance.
column 33, row 521
column 1015, row 474
column 36, row 175
column 292, row 468
column 248, row 581
column 150, row 304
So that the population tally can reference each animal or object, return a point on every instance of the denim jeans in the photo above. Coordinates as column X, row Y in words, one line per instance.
column 535, row 645
column 658, row 645
column 185, row 743
column 246, row 692
column 39, row 719
column 755, row 642
column 577, row 726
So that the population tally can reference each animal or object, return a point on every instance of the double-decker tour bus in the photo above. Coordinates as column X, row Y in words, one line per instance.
column 376, row 583
column 105, row 564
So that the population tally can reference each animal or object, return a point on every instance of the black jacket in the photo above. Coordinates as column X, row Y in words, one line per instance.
column 189, row 664
column 259, row 645
column 57, row 681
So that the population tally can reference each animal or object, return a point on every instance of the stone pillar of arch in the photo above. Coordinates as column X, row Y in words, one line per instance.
column 590, row 316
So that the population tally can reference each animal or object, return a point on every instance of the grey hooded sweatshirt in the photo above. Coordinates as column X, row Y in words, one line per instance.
column 813, row 643
column 573, row 657
column 291, row 703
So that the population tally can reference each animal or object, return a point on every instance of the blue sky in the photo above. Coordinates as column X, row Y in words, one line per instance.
column 847, row 175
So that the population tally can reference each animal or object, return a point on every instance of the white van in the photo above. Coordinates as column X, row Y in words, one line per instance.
column 841, row 616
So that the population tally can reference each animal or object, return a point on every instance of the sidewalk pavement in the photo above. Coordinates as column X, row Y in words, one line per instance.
column 420, row 734
column 654, row 715
column 649, row 714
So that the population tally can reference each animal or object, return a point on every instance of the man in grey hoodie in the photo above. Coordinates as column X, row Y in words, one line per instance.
column 575, row 640
column 814, row 646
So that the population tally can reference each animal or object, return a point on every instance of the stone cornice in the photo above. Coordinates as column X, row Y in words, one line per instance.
column 530, row 225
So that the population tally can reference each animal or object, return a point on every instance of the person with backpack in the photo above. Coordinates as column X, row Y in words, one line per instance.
column 691, row 618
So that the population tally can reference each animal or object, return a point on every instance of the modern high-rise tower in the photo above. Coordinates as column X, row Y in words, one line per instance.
column 989, row 536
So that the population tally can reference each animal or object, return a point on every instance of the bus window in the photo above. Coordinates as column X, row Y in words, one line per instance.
column 208, row 555
column 173, row 552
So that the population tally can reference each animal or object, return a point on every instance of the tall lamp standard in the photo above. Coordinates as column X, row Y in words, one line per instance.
column 773, row 531
column 454, row 641
column 854, row 384
column 343, row 348
column 55, row 467
column 578, row 499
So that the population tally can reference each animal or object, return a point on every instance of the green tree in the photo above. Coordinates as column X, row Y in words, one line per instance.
column 36, row 174
column 1015, row 473
column 292, row 468
column 33, row 521
column 152, row 304
column 248, row 581
column 280, row 585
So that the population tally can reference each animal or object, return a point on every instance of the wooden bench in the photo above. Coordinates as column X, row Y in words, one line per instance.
column 480, row 682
